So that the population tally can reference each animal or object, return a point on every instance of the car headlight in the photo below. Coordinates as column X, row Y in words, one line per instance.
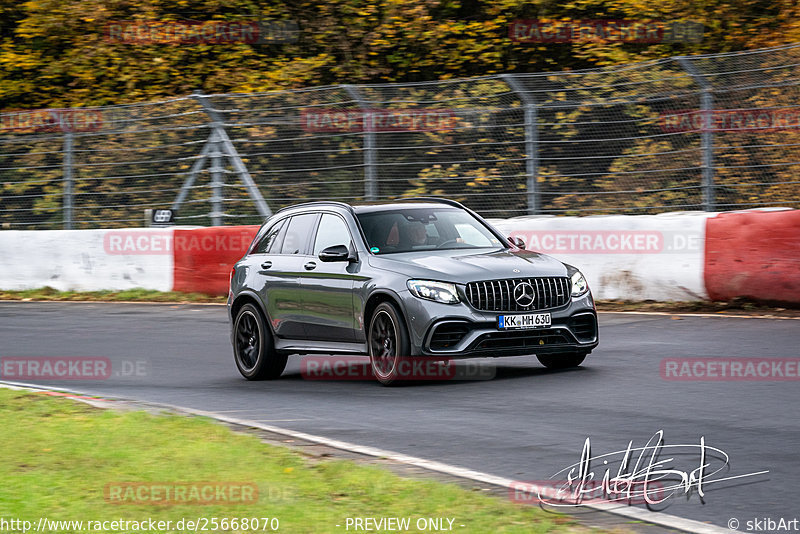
column 579, row 284
column 436, row 291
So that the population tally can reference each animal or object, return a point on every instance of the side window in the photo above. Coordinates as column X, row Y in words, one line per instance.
column 332, row 231
column 268, row 242
column 298, row 234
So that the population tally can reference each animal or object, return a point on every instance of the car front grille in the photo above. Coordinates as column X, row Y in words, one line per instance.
column 498, row 295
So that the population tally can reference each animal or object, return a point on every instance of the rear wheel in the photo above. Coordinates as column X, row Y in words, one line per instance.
column 561, row 361
column 253, row 349
column 388, row 343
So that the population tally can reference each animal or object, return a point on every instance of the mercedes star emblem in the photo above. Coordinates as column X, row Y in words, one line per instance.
column 524, row 294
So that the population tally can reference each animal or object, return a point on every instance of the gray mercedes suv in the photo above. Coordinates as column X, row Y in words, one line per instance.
column 418, row 278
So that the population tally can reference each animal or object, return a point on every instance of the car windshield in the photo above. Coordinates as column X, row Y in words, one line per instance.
column 416, row 229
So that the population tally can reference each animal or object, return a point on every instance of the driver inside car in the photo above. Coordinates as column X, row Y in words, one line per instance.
column 417, row 235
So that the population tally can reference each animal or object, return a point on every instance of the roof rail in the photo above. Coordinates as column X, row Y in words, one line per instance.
column 318, row 203
column 433, row 199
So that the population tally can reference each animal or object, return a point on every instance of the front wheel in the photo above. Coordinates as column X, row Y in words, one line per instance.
column 253, row 350
column 388, row 343
column 561, row 361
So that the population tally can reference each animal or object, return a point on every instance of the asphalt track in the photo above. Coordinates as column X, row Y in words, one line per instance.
column 525, row 424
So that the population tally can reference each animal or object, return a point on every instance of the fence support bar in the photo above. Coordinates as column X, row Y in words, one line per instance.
column 196, row 168
column 370, row 182
column 706, row 139
column 531, row 142
column 233, row 156
column 216, row 182
column 68, row 181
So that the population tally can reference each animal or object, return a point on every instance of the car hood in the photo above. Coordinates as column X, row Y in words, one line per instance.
column 467, row 266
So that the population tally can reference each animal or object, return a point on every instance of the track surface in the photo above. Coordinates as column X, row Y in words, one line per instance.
column 526, row 424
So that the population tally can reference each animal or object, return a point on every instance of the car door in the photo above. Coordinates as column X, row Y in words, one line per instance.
column 278, row 259
column 327, row 287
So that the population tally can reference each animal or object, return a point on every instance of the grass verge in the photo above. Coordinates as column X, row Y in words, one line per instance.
column 61, row 457
column 128, row 295
column 733, row 307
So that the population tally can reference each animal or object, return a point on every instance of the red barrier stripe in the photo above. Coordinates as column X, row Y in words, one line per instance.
column 753, row 254
column 204, row 257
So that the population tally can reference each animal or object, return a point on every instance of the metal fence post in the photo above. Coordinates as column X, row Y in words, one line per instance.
column 531, row 142
column 217, row 182
column 188, row 183
column 68, row 182
column 233, row 155
column 370, row 182
column 706, row 137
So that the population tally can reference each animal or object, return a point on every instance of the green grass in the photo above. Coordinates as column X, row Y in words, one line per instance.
column 58, row 455
column 149, row 295
column 732, row 307
column 128, row 295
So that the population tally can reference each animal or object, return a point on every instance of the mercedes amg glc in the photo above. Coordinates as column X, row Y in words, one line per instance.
column 418, row 278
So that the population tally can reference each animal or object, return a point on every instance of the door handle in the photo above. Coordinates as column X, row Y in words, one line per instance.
column 266, row 265
column 310, row 266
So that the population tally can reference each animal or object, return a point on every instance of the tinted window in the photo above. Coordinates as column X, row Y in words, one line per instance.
column 269, row 242
column 407, row 230
column 297, row 235
column 332, row 231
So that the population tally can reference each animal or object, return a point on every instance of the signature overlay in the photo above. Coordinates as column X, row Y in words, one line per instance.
column 642, row 476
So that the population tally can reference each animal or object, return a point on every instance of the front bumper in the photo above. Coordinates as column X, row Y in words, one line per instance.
column 458, row 330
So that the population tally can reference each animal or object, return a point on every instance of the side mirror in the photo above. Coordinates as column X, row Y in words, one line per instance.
column 517, row 241
column 335, row 253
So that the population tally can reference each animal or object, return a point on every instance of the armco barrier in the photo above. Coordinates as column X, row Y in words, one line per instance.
column 753, row 254
column 675, row 256
column 204, row 257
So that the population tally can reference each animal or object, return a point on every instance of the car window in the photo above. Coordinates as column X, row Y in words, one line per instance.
column 332, row 231
column 298, row 233
column 268, row 242
column 417, row 229
column 472, row 236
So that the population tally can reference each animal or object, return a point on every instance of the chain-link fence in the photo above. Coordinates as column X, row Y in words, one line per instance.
column 711, row 132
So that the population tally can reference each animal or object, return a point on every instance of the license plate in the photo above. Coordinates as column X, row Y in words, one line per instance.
column 528, row 320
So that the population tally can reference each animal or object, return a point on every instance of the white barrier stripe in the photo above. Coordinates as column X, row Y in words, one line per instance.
column 630, row 257
column 87, row 260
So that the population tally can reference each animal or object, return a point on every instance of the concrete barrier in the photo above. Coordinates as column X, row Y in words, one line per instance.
column 753, row 254
column 636, row 257
column 675, row 256
column 204, row 257
column 86, row 260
